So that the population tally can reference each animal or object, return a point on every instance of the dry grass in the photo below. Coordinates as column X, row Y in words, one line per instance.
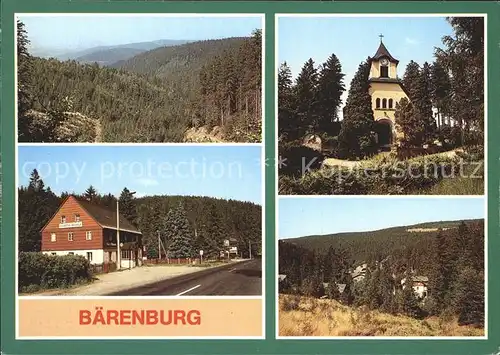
column 303, row 316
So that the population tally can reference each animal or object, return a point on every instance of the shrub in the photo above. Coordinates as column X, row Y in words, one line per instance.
column 295, row 158
column 38, row 270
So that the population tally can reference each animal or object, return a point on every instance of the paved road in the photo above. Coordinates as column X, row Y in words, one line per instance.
column 237, row 279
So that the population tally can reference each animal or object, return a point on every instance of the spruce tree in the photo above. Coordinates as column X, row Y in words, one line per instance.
column 305, row 92
column 411, row 79
column 36, row 205
column 408, row 121
column 180, row 235
column 213, row 233
column 127, row 206
column 287, row 124
column 463, row 56
column 330, row 89
column 423, row 103
column 356, row 138
column 90, row 194
column 468, row 300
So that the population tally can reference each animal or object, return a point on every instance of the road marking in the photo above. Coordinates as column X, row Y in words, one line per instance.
column 191, row 289
column 231, row 270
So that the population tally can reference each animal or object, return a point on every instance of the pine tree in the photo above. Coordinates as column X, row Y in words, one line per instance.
column 441, row 274
column 24, row 85
column 411, row 78
column 330, row 89
column 36, row 183
column 468, row 299
column 463, row 56
column 127, row 206
column 306, row 97
column 356, row 138
column 286, row 104
column 424, row 102
column 408, row 121
column 90, row 194
column 213, row 232
column 410, row 305
column 179, row 234
column 36, row 205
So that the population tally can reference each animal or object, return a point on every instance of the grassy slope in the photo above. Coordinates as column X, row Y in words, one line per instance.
column 302, row 316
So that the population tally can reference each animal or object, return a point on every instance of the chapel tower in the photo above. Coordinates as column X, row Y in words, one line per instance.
column 386, row 89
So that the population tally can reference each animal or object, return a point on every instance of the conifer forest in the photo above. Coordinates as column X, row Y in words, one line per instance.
column 167, row 94
column 445, row 258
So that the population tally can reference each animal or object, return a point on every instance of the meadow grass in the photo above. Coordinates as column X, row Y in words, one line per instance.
column 304, row 316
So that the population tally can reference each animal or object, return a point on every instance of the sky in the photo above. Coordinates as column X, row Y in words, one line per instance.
column 353, row 39
column 300, row 217
column 81, row 32
column 229, row 172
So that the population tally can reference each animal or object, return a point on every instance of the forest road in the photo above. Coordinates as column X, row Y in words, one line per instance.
column 236, row 279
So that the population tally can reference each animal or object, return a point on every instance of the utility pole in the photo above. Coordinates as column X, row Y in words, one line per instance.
column 118, row 251
column 250, row 249
column 159, row 246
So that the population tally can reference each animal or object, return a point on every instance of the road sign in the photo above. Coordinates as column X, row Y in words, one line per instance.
column 226, row 242
column 201, row 252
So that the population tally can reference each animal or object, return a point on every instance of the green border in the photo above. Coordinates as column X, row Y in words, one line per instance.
column 270, row 345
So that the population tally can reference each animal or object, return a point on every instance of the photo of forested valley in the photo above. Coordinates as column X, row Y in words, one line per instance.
column 406, row 279
column 139, row 79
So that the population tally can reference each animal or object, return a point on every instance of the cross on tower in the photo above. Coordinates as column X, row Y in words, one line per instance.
column 381, row 36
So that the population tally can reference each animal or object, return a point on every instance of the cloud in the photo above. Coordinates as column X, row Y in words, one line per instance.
column 147, row 182
column 411, row 41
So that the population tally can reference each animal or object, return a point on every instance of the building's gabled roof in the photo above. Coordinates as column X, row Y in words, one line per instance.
column 340, row 287
column 107, row 217
column 382, row 52
column 420, row 279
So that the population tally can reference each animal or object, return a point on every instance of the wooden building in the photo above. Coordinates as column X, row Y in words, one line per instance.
column 82, row 228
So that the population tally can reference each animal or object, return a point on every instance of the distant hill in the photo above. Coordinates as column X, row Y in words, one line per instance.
column 365, row 246
column 325, row 240
column 109, row 56
column 138, row 46
column 182, row 61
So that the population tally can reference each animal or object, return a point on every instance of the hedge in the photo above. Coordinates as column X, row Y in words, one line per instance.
column 380, row 177
column 294, row 158
column 42, row 271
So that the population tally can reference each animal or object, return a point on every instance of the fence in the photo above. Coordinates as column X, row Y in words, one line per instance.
column 176, row 261
column 102, row 268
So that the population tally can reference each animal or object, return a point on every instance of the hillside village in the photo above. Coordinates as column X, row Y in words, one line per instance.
column 445, row 269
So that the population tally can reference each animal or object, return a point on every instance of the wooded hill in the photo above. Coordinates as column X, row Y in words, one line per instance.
column 200, row 223
column 377, row 245
column 451, row 259
column 155, row 96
